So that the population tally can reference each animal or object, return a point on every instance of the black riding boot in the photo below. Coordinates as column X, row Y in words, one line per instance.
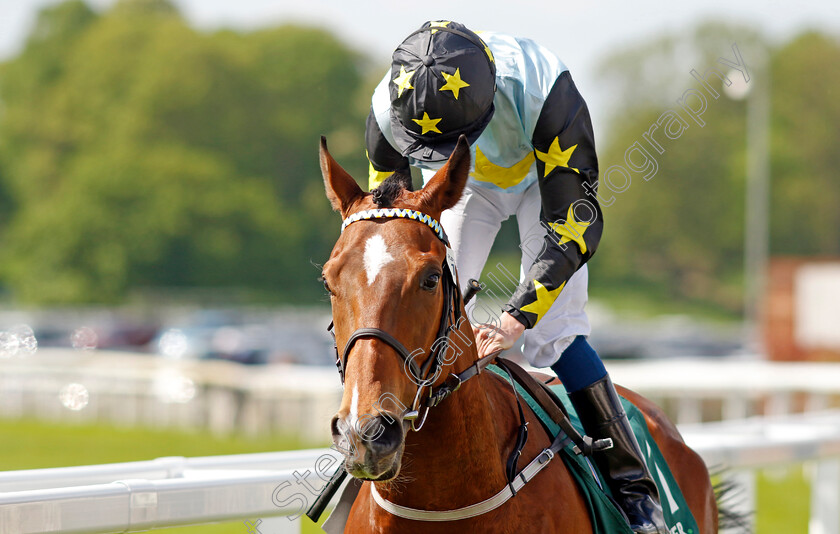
column 624, row 465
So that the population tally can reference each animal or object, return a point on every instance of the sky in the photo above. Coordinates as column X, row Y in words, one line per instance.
column 580, row 33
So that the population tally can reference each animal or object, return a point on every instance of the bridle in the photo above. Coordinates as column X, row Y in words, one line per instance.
column 428, row 374
column 450, row 319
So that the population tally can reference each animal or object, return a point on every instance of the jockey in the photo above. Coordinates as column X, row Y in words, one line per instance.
column 533, row 157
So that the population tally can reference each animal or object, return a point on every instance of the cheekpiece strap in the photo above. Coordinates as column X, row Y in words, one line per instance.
column 398, row 213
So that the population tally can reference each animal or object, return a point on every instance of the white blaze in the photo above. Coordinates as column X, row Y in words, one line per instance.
column 354, row 407
column 376, row 257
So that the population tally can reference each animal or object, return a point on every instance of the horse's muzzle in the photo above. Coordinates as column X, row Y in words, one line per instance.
column 372, row 446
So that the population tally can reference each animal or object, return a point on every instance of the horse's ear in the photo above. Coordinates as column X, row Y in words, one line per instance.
column 444, row 189
column 342, row 189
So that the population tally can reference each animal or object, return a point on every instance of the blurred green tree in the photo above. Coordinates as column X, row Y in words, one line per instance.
column 805, row 199
column 136, row 152
column 679, row 233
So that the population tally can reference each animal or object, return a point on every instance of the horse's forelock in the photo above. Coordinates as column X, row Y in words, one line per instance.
column 390, row 189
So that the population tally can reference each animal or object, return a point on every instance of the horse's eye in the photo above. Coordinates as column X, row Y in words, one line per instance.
column 431, row 282
column 326, row 285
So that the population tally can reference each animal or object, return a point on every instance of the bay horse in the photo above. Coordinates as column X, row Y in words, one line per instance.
column 385, row 280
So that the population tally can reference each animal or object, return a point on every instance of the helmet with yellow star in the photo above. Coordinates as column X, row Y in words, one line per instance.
column 443, row 80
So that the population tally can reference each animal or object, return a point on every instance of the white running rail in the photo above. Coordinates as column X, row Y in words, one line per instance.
column 131, row 497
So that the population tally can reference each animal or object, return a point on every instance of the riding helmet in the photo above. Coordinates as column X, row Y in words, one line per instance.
column 443, row 80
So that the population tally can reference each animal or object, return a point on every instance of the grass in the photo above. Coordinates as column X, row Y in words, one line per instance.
column 33, row 444
column 26, row 444
column 784, row 500
column 783, row 493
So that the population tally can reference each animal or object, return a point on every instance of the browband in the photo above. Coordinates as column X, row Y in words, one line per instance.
column 398, row 213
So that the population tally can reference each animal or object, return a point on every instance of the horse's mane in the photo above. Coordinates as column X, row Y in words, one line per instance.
column 390, row 189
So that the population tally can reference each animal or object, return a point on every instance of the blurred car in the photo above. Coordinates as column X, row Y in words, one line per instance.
column 281, row 339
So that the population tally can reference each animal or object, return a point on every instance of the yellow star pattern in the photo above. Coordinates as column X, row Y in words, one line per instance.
column 571, row 230
column 504, row 177
column 403, row 81
column 545, row 299
column 439, row 24
column 486, row 48
column 454, row 82
column 428, row 124
column 556, row 157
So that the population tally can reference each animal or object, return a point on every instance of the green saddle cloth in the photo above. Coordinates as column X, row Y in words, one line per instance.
column 606, row 518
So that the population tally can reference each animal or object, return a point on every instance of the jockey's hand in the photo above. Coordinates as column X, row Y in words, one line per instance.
column 491, row 338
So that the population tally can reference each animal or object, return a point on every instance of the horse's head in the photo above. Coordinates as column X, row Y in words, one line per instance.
column 385, row 274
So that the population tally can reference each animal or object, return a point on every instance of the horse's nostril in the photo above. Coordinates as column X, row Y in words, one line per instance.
column 384, row 435
column 334, row 427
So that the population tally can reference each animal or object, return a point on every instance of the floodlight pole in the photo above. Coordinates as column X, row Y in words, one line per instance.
column 757, row 234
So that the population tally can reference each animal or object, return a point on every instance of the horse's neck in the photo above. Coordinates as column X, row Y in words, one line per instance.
column 456, row 458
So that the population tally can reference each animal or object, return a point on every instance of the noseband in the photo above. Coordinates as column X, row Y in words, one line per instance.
column 428, row 373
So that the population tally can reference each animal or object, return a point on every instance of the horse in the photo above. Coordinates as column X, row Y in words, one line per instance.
column 385, row 279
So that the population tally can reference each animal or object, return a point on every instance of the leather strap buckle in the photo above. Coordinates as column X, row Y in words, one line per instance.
column 458, row 381
column 545, row 456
